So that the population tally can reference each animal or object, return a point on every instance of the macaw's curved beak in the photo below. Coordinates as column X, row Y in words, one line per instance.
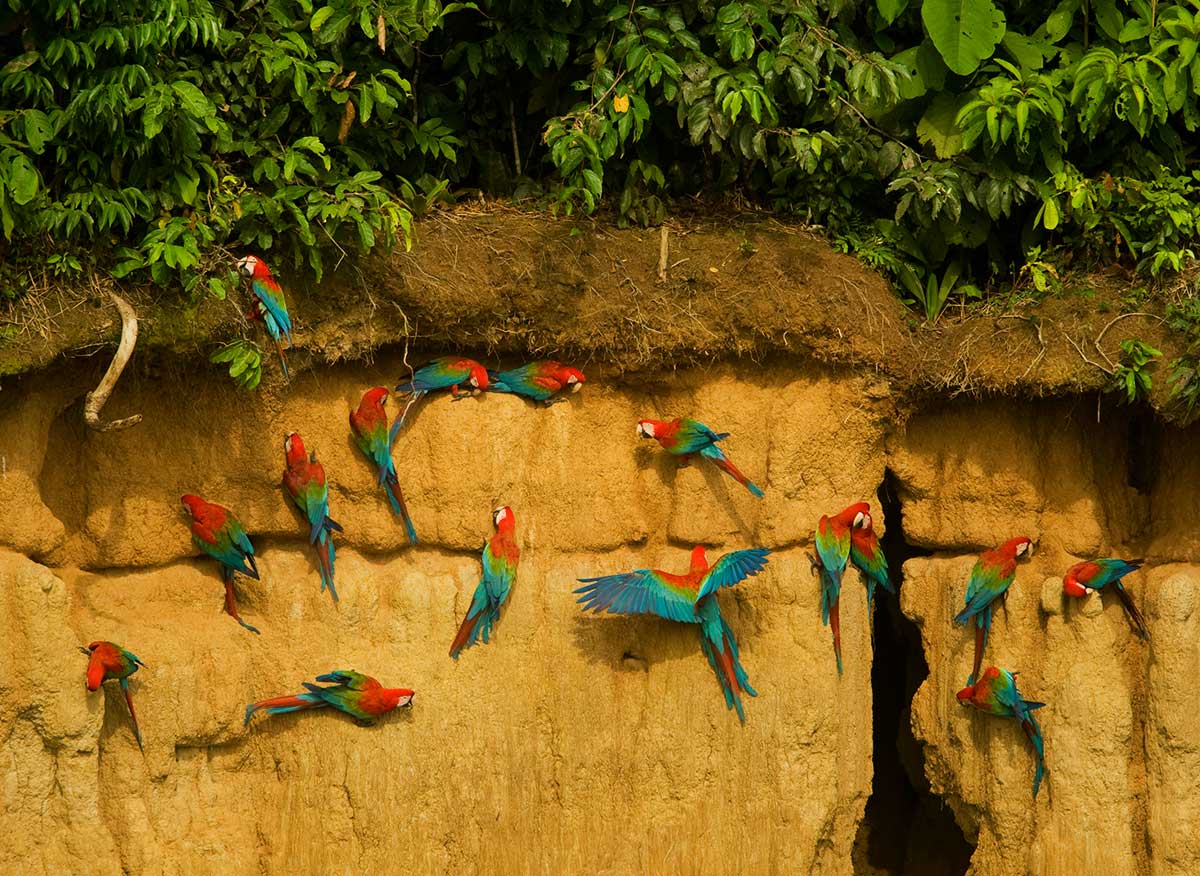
column 1074, row 588
column 964, row 695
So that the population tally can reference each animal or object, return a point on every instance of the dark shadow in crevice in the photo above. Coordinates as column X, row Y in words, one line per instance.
column 1143, row 450
column 906, row 829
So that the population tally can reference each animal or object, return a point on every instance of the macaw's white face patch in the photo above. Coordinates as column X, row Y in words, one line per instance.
column 646, row 429
column 247, row 265
column 498, row 515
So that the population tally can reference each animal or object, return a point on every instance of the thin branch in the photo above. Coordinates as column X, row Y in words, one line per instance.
column 663, row 248
column 512, row 122
column 96, row 398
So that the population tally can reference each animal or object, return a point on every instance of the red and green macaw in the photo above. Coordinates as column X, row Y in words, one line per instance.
column 269, row 304
column 542, row 381
column 369, row 425
column 691, row 599
column 304, row 480
column 447, row 372
column 1088, row 577
column 217, row 532
column 990, row 579
column 685, row 437
column 500, row 556
column 360, row 696
column 833, row 540
column 108, row 661
column 996, row 694
column 867, row 556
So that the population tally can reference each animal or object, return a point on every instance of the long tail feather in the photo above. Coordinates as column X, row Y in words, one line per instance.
column 282, row 358
column 325, row 560
column 725, row 464
column 723, row 658
column 475, row 628
column 396, row 496
column 132, row 714
column 283, row 705
column 231, row 608
column 980, row 641
column 871, row 610
column 1131, row 609
column 1034, row 733
column 835, row 624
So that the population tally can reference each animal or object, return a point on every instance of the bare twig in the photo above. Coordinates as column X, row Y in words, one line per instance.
column 1083, row 356
column 97, row 397
column 512, row 122
column 663, row 248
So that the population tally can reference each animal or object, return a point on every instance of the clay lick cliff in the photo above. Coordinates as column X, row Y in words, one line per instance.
column 581, row 744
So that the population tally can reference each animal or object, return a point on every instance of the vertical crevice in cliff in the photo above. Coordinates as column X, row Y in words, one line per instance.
column 1143, row 440
column 906, row 829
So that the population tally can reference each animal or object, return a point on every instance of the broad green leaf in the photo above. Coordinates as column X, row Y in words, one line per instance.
column 965, row 32
column 890, row 9
column 1025, row 51
column 320, row 17
column 22, row 180
column 1058, row 24
column 1108, row 18
column 192, row 99
column 938, row 128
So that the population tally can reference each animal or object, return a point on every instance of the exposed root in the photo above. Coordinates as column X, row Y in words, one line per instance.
column 97, row 397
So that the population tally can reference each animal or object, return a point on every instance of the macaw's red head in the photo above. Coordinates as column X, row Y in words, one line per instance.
column 1071, row 583
column 571, row 377
column 1018, row 547
column 862, row 519
column 650, row 428
column 974, row 694
column 478, row 378
column 503, row 519
column 193, row 504
column 855, row 516
column 293, row 448
column 399, row 697
column 254, row 268
column 699, row 561
column 375, row 397
column 95, row 668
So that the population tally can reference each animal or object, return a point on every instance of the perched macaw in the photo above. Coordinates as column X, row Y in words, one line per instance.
column 269, row 304
column 996, row 693
column 106, row 662
column 686, row 437
column 867, row 556
column 220, row 535
column 691, row 599
column 1087, row 577
column 500, row 557
column 369, row 426
column 360, row 696
column 990, row 579
column 541, row 381
column 304, row 480
column 833, row 541
column 448, row 372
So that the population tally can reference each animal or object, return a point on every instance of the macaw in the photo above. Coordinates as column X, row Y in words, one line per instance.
column 867, row 556
column 500, row 557
column 996, row 694
column 360, row 696
column 990, row 579
column 106, row 662
column 269, row 305
column 304, row 480
column 541, row 381
column 448, row 372
column 1087, row 577
column 369, row 426
column 220, row 535
column 833, row 539
column 686, row 437
column 691, row 599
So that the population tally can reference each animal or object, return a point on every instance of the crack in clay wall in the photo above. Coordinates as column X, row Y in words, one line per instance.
column 572, row 743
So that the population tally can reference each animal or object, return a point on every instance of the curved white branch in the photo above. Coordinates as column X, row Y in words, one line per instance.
column 97, row 397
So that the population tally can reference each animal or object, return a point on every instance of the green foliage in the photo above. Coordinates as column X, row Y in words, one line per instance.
column 245, row 362
column 1132, row 377
column 942, row 140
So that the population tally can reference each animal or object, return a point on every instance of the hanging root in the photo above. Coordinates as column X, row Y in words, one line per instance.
column 97, row 397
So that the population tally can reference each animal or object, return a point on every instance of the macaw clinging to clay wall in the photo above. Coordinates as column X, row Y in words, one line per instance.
column 996, row 694
column 269, row 304
column 1105, row 575
column 108, row 661
column 448, row 372
column 990, row 579
column 304, row 480
column 547, row 381
column 685, row 437
column 689, row 598
column 867, row 556
column 500, row 556
column 360, row 696
column 217, row 532
column 369, row 426
column 833, row 540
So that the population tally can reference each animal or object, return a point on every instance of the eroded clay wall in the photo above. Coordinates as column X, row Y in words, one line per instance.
column 572, row 743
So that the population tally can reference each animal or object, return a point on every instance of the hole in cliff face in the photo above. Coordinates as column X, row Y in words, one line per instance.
column 906, row 830
column 1143, row 439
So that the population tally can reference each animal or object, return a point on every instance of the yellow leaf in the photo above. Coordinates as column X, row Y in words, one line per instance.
column 621, row 103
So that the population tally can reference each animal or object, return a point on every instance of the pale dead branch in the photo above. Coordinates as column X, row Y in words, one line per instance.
column 97, row 397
